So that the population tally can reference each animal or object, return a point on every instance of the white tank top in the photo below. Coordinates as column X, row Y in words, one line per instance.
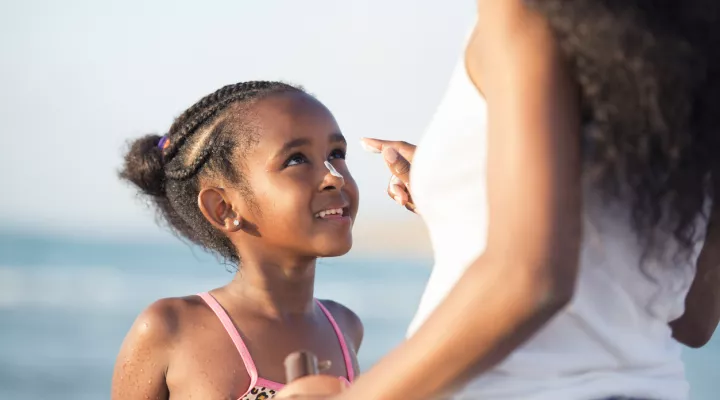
column 612, row 340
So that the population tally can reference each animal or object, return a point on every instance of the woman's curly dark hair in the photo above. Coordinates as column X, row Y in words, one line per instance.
column 648, row 72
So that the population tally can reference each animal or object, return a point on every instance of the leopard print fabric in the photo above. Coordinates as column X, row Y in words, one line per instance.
column 260, row 393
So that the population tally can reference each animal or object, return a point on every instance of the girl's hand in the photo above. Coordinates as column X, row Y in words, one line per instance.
column 398, row 157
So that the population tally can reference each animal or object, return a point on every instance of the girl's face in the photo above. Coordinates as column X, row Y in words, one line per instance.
column 302, row 209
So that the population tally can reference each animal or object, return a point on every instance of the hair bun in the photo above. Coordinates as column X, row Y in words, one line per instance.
column 144, row 165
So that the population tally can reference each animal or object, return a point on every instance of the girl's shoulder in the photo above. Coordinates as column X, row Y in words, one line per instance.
column 164, row 320
column 149, row 346
column 349, row 322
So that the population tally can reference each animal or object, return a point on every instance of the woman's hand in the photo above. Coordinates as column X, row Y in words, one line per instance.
column 398, row 157
column 313, row 387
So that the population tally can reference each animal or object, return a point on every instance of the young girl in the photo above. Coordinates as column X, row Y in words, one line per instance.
column 256, row 174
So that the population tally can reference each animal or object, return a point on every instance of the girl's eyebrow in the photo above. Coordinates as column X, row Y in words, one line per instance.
column 338, row 137
column 290, row 145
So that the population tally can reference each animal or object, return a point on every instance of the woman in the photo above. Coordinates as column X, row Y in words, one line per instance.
column 567, row 256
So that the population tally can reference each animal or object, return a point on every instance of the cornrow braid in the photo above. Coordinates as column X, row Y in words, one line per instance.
column 208, row 107
column 170, row 176
column 200, row 160
column 216, row 96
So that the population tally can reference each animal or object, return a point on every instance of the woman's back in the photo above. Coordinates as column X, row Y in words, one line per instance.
column 613, row 337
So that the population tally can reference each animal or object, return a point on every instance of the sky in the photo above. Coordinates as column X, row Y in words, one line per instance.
column 79, row 78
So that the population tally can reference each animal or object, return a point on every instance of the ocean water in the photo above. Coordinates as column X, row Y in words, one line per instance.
column 65, row 306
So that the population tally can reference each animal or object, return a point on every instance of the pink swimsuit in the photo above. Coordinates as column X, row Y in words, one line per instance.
column 260, row 388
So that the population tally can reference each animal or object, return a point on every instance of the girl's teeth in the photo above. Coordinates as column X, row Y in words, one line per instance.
column 322, row 214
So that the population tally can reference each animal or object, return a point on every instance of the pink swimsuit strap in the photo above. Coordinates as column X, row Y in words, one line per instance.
column 341, row 339
column 255, row 380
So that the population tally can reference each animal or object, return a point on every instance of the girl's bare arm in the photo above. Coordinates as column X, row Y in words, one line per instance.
column 142, row 363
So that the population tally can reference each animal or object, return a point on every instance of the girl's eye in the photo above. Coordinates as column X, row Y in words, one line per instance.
column 337, row 154
column 295, row 159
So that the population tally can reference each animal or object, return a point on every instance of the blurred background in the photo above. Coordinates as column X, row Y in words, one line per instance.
column 81, row 256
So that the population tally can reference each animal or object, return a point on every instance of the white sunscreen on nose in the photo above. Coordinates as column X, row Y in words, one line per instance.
column 332, row 170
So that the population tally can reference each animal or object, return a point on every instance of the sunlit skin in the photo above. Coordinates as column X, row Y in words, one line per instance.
column 536, row 219
column 177, row 348
column 527, row 272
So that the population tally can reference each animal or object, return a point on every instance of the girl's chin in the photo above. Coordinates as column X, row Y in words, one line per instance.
column 336, row 249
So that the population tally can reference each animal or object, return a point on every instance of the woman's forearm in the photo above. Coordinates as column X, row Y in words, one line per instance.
column 530, row 264
column 702, row 303
column 471, row 331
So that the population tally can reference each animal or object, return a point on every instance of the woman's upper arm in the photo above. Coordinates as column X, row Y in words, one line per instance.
column 702, row 304
column 534, row 166
column 143, row 358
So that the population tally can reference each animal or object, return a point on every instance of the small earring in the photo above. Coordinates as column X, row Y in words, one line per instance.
column 236, row 223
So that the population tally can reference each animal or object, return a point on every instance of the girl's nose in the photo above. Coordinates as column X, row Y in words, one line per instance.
column 333, row 179
column 332, row 170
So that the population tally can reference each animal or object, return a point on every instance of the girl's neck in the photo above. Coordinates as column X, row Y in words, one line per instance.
column 277, row 290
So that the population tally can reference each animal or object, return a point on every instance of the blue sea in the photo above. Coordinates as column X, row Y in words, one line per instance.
column 66, row 304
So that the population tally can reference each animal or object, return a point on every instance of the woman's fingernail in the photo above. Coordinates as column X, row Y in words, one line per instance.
column 369, row 148
column 390, row 154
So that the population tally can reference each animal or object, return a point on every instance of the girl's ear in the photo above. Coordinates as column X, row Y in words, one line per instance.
column 215, row 205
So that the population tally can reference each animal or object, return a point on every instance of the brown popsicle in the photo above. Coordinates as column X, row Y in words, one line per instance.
column 300, row 364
